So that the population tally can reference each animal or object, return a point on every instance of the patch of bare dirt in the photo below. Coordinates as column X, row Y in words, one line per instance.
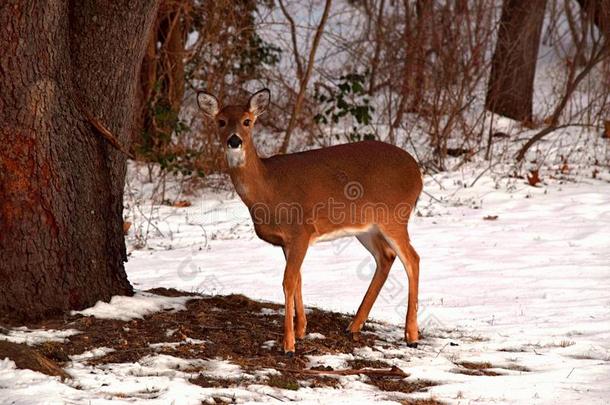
column 27, row 357
column 483, row 368
column 234, row 328
column 208, row 382
column 364, row 363
column 517, row 367
column 475, row 368
column 399, row 384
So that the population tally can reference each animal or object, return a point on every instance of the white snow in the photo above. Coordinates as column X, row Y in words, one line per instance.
column 528, row 293
column 186, row 341
column 269, row 311
column 528, row 290
column 127, row 308
column 35, row 336
column 335, row 361
column 315, row 335
column 92, row 354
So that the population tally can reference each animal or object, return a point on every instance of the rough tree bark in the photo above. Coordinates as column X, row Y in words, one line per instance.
column 61, row 183
column 513, row 66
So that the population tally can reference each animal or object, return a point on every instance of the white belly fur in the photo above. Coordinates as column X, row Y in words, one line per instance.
column 340, row 233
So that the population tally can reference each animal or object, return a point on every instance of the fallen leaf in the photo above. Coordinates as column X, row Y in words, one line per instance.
column 533, row 177
column 182, row 204
column 126, row 226
column 490, row 217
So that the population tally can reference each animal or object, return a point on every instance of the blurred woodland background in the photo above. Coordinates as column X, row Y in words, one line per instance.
column 422, row 74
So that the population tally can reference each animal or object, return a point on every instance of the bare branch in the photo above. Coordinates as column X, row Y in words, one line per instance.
column 303, row 83
column 293, row 36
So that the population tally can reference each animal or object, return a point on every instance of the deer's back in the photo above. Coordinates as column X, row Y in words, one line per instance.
column 368, row 171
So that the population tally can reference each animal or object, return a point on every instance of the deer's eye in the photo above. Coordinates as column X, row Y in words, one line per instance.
column 222, row 123
column 246, row 122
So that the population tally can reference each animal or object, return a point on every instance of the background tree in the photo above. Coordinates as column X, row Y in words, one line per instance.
column 513, row 67
column 162, row 80
column 68, row 71
column 591, row 49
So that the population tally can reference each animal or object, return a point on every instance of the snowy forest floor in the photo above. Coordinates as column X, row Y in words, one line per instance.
column 514, row 304
column 229, row 349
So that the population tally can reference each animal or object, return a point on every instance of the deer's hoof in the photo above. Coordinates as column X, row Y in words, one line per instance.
column 355, row 336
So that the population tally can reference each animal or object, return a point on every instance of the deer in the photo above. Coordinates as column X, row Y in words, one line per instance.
column 365, row 189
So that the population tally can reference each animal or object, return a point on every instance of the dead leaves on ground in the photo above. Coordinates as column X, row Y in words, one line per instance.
column 182, row 204
column 533, row 178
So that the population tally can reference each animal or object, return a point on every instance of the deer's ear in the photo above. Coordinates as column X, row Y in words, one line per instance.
column 259, row 102
column 208, row 104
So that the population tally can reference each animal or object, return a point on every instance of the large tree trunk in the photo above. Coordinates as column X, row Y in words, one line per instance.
column 511, row 82
column 61, row 183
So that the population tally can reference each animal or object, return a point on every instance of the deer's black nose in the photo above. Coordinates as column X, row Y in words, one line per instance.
column 234, row 141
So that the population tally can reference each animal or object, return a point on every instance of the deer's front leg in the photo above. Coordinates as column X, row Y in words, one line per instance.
column 295, row 253
column 301, row 320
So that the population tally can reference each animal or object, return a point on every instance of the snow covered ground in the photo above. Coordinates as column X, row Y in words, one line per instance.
column 531, row 287
column 527, row 292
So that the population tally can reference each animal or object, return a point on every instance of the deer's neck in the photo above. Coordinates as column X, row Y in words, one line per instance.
column 249, row 177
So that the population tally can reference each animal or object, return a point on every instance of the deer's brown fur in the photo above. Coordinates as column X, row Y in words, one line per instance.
column 366, row 189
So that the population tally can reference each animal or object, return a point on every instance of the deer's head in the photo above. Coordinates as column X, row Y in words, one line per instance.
column 235, row 123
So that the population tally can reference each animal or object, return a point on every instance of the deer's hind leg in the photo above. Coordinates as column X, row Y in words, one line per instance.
column 384, row 256
column 398, row 237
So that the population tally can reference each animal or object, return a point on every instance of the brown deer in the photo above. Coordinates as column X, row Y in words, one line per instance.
column 366, row 189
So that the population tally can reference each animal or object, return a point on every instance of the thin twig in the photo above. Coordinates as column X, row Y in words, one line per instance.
column 442, row 348
column 431, row 196
column 293, row 36
column 274, row 397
